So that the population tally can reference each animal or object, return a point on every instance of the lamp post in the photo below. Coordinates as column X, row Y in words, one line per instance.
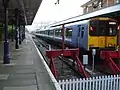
column 6, row 58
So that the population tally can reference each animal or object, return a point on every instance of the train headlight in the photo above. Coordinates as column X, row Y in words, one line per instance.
column 91, row 45
column 109, row 45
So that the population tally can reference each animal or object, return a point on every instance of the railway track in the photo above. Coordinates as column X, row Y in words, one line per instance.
column 68, row 65
column 63, row 68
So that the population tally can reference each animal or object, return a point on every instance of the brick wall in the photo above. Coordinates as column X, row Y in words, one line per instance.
column 110, row 2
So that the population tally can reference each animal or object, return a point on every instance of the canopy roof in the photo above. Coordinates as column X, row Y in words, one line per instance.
column 28, row 9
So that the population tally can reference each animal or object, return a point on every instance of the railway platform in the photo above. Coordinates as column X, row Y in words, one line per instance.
column 27, row 69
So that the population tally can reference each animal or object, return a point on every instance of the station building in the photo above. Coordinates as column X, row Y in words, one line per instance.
column 94, row 5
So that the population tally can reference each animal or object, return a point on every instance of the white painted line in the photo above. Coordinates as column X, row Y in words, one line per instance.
column 33, row 87
column 18, row 49
column 11, row 64
column 57, row 86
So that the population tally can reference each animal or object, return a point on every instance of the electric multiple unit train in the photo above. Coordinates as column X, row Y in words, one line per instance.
column 98, row 33
column 95, row 33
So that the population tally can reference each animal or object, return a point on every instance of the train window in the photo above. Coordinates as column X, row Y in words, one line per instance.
column 41, row 32
column 102, row 31
column 102, row 28
column 68, row 32
column 107, row 28
column 82, row 32
column 48, row 32
column 93, row 29
column 58, row 32
column 45, row 32
column 112, row 30
column 51, row 32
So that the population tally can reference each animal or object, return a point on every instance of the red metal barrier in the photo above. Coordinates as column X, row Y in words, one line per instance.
column 73, row 53
column 107, row 56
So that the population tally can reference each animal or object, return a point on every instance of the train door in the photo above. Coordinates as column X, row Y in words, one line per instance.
column 93, row 40
column 78, row 35
column 102, row 34
column 97, row 34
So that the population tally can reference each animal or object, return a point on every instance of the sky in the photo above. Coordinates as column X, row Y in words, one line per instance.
column 49, row 12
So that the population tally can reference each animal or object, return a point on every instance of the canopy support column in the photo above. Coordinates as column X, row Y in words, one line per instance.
column 16, row 28
column 6, row 58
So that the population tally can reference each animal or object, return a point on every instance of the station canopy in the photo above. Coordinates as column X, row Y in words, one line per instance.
column 28, row 10
column 111, row 12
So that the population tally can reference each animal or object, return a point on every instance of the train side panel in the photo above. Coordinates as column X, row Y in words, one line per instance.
column 83, row 37
column 80, row 36
column 75, row 36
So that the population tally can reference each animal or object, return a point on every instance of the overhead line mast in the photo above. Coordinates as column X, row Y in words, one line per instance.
column 57, row 2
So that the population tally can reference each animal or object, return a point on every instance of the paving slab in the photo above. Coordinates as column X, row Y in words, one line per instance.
column 21, row 76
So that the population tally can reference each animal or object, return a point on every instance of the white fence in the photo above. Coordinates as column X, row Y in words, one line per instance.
column 95, row 83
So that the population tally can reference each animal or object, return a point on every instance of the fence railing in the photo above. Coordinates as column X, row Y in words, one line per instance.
column 111, row 82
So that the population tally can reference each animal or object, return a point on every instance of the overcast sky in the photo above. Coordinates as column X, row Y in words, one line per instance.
column 48, row 11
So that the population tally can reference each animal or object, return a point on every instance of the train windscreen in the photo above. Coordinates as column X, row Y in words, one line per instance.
column 93, row 28
column 102, row 28
column 112, row 28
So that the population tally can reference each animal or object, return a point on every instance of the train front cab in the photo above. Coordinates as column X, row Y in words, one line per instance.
column 102, row 35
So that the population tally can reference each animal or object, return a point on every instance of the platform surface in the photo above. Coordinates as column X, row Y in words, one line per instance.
column 26, row 70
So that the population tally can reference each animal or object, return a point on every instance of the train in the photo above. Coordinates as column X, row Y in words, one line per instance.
column 96, row 33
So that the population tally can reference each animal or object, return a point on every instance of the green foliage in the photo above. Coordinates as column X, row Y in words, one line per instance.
column 10, row 31
column 2, row 31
